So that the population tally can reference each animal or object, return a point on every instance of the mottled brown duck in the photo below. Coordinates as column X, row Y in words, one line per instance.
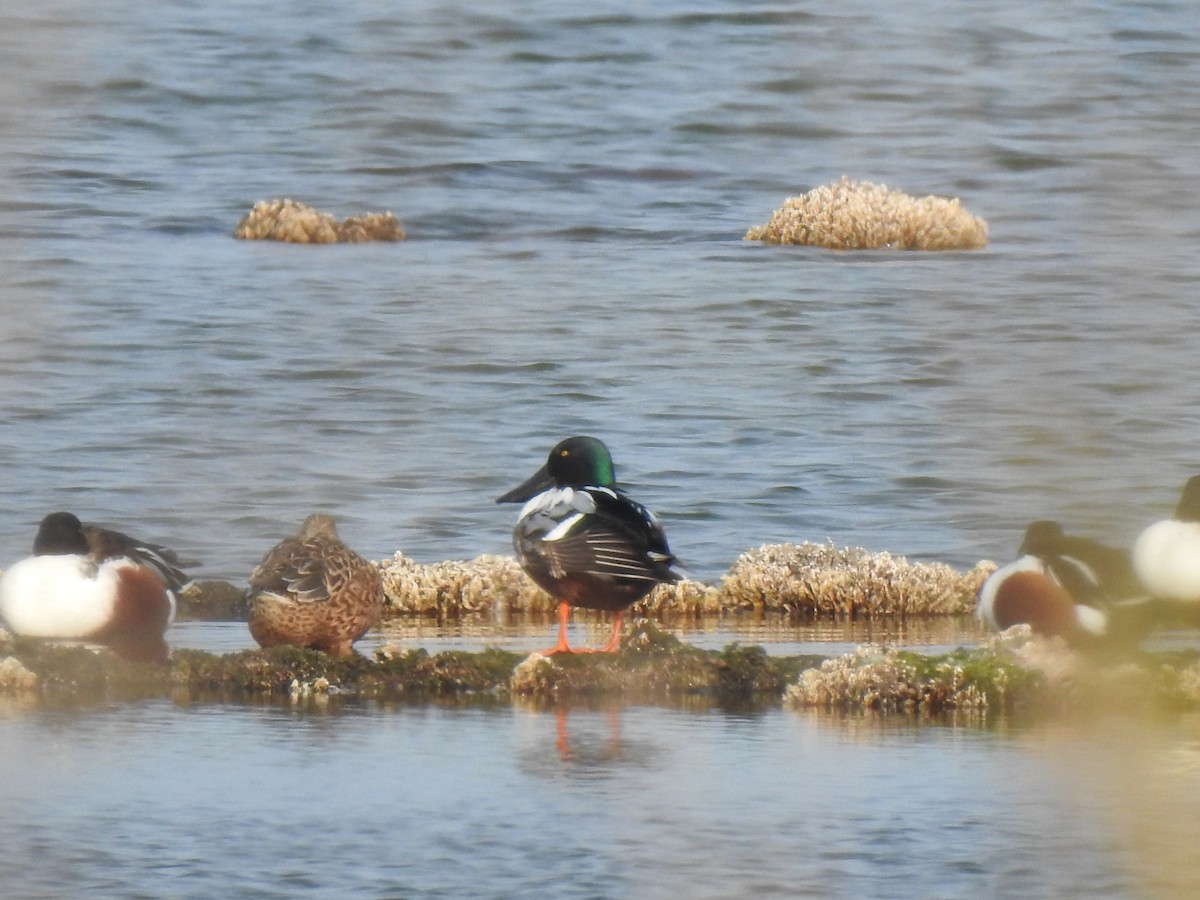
column 313, row 591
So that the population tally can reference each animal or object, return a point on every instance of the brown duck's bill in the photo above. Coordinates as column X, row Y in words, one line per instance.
column 538, row 482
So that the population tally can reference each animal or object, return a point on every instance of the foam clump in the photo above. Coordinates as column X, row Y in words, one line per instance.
column 15, row 677
column 530, row 674
column 861, row 215
column 681, row 597
column 1187, row 684
column 823, row 580
column 489, row 583
column 805, row 579
column 881, row 679
column 1016, row 669
column 456, row 586
column 884, row 679
column 298, row 223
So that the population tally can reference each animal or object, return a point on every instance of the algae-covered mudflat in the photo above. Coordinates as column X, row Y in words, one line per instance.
column 1013, row 673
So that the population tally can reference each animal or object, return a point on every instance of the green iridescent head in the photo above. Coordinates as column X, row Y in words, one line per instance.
column 579, row 461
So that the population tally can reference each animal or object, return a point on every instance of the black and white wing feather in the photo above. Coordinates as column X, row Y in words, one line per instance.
column 598, row 532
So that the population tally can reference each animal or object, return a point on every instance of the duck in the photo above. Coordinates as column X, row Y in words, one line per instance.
column 1059, row 585
column 584, row 541
column 1166, row 555
column 1089, row 570
column 89, row 583
column 107, row 543
column 314, row 592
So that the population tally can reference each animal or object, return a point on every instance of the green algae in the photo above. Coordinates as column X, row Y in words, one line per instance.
column 71, row 673
column 1015, row 673
column 212, row 601
column 655, row 666
column 883, row 679
column 977, row 677
column 281, row 670
column 1006, row 675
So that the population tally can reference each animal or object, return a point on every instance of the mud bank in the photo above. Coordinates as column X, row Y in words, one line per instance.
column 1016, row 672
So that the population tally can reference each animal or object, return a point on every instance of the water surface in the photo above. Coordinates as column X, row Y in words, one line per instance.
column 271, row 802
column 575, row 181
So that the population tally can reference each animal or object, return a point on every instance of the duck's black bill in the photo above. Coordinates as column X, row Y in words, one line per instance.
column 538, row 482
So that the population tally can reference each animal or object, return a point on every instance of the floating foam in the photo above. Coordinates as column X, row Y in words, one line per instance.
column 454, row 587
column 860, row 215
column 823, row 580
column 818, row 580
column 298, row 223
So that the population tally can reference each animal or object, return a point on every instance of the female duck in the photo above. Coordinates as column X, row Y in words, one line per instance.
column 107, row 589
column 313, row 591
column 583, row 541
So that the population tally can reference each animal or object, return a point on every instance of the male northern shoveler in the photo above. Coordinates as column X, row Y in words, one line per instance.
column 313, row 591
column 1166, row 556
column 1091, row 572
column 585, row 542
column 1058, row 585
column 105, row 543
column 88, row 583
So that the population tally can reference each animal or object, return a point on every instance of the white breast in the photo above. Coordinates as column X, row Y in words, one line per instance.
column 1166, row 557
column 58, row 596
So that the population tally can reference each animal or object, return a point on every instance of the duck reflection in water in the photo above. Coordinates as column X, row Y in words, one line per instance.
column 589, row 748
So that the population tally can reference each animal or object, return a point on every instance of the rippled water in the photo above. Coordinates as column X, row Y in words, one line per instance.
column 592, row 803
column 524, row 634
column 575, row 181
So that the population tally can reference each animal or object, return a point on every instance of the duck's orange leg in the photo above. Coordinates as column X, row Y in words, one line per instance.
column 564, row 613
column 614, row 640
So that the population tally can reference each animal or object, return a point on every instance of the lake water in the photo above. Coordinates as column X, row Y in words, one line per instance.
column 575, row 180
column 155, row 801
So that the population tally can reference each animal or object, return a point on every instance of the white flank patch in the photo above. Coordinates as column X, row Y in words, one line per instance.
column 1166, row 557
column 58, row 596
column 1091, row 619
column 555, row 502
column 987, row 594
column 563, row 528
